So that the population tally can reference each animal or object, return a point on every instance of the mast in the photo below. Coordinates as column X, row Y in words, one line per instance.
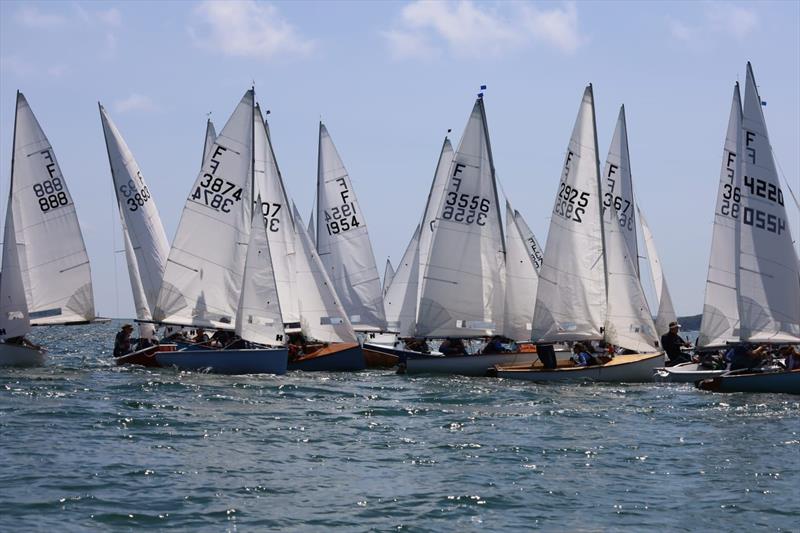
column 599, row 196
column 491, row 166
column 253, row 151
column 319, row 171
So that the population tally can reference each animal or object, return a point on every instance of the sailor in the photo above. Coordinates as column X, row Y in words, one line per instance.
column 581, row 356
column 451, row 346
column 417, row 345
column 672, row 344
column 744, row 357
column 791, row 357
column 495, row 345
column 201, row 337
column 123, row 342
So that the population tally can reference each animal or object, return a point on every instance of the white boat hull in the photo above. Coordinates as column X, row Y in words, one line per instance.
column 685, row 373
column 634, row 368
column 776, row 382
column 13, row 355
column 464, row 365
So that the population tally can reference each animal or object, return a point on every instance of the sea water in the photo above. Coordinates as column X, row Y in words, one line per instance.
column 85, row 445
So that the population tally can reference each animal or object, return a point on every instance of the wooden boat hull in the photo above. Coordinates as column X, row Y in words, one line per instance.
column 337, row 357
column 463, row 365
column 684, row 373
column 380, row 356
column 20, row 356
column 633, row 368
column 787, row 382
column 245, row 361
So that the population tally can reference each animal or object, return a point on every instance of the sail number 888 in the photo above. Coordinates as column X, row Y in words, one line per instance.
column 50, row 194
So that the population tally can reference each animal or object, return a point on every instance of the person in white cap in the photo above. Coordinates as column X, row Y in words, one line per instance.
column 672, row 344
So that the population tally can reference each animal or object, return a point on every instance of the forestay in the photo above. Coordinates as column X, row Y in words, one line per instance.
column 278, row 220
column 617, row 187
column 322, row 317
column 463, row 288
column 666, row 311
column 720, row 322
column 522, row 279
column 146, row 245
column 400, row 301
column 14, row 320
column 203, row 277
column 768, row 277
column 52, row 255
column 258, row 317
column 571, row 298
column 343, row 241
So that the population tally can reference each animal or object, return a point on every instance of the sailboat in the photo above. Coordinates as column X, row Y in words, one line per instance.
column 589, row 287
column 146, row 245
column 46, row 277
column 461, row 283
column 761, row 255
column 523, row 260
column 226, row 284
column 342, row 241
column 309, row 304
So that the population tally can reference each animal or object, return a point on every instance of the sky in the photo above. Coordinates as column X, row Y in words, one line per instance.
column 389, row 79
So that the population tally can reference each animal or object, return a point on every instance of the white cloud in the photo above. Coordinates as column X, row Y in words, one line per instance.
column 31, row 17
column 718, row 19
column 247, row 29
column 134, row 102
column 466, row 28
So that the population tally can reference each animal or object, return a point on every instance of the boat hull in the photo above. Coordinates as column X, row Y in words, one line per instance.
column 635, row 368
column 247, row 361
column 777, row 382
column 21, row 356
column 463, row 365
column 380, row 356
column 684, row 373
column 337, row 357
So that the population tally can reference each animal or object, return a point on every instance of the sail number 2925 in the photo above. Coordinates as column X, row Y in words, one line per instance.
column 571, row 202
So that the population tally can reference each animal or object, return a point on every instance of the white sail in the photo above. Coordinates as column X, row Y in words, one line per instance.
column 666, row 311
column 720, row 322
column 55, row 266
column 322, row 316
column 571, row 298
column 146, row 330
column 258, row 317
column 617, row 186
column 400, row 300
column 279, row 223
column 312, row 229
column 211, row 136
column 535, row 250
column 14, row 321
column 203, row 277
column 388, row 274
column 629, row 322
column 343, row 241
column 463, row 289
column 522, row 279
column 768, row 277
column 141, row 223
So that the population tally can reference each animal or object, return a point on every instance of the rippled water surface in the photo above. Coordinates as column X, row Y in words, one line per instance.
column 86, row 445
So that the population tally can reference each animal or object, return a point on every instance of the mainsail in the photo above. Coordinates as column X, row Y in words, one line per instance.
column 522, row 278
column 343, row 241
column 203, row 276
column 463, row 289
column 146, row 245
column 52, row 255
column 276, row 211
column 720, row 322
column 768, row 280
column 571, row 298
column 666, row 311
column 322, row 316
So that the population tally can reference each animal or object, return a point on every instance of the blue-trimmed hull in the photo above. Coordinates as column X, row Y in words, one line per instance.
column 249, row 361
column 345, row 357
